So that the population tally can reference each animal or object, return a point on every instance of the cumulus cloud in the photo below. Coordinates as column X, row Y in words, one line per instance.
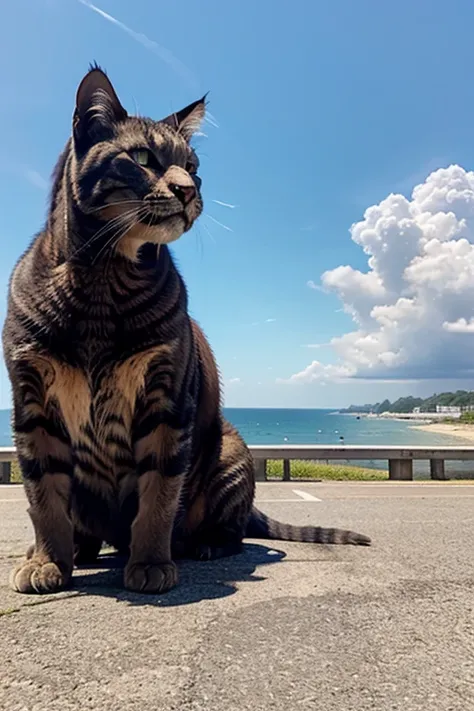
column 316, row 371
column 413, row 308
column 312, row 285
column 460, row 326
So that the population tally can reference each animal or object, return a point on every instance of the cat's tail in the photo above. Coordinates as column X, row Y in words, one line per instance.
column 262, row 526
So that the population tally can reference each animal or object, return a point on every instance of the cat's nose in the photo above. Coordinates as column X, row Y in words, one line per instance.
column 184, row 193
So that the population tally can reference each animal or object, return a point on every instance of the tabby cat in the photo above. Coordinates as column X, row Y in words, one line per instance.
column 117, row 415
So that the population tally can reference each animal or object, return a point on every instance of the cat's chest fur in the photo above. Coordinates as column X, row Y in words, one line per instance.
column 98, row 407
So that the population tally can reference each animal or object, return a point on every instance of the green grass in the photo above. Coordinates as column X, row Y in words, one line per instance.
column 15, row 475
column 301, row 469
column 466, row 418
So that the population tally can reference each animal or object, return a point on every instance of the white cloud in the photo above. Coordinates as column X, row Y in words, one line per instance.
column 233, row 381
column 460, row 326
column 270, row 320
column 316, row 371
column 312, row 285
column 414, row 306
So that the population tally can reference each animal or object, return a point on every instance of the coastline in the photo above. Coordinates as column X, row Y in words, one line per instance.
column 423, row 418
column 465, row 432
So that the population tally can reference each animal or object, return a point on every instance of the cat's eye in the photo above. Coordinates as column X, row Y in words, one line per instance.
column 146, row 158
column 191, row 168
column 142, row 157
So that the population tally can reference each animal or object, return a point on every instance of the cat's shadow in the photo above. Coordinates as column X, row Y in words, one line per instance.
column 197, row 580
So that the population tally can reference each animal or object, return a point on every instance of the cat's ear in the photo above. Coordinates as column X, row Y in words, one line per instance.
column 187, row 121
column 97, row 110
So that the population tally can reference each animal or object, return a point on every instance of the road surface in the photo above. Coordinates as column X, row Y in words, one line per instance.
column 284, row 626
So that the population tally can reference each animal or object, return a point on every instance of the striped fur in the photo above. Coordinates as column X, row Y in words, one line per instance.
column 117, row 414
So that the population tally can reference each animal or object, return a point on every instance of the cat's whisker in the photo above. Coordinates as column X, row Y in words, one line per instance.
column 147, row 231
column 124, row 216
column 113, row 222
column 135, row 219
column 115, row 237
column 209, row 232
column 120, row 233
column 225, row 204
column 210, row 119
column 140, row 214
column 198, row 233
column 221, row 224
column 103, row 230
column 110, row 204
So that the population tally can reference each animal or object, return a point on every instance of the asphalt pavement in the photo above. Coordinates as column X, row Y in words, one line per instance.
column 284, row 626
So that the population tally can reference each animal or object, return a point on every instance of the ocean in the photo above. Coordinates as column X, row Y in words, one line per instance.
column 290, row 426
column 285, row 426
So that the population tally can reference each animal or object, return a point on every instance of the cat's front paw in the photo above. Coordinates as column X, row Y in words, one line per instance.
column 34, row 576
column 150, row 577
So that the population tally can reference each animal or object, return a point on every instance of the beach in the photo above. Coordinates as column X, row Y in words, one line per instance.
column 465, row 432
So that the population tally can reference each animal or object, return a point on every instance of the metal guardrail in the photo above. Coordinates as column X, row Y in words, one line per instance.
column 400, row 459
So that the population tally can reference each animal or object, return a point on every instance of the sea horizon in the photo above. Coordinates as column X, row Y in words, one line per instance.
column 321, row 426
column 304, row 425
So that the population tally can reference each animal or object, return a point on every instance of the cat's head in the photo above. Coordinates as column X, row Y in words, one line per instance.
column 138, row 176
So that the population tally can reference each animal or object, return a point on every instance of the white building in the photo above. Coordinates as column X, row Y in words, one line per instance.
column 449, row 409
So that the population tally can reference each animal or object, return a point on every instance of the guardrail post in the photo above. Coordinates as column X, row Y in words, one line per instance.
column 286, row 470
column 400, row 469
column 437, row 470
column 260, row 469
column 5, row 472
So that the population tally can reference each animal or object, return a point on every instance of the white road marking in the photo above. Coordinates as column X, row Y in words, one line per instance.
column 282, row 501
column 306, row 499
column 305, row 496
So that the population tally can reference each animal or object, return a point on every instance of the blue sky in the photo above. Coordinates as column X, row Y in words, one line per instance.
column 323, row 110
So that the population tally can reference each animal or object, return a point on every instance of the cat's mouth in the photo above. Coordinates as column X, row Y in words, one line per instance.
column 151, row 219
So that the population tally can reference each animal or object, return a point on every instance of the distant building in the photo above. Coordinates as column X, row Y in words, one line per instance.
column 416, row 410
column 449, row 409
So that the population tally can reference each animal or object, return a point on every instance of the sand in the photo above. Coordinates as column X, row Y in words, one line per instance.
column 465, row 432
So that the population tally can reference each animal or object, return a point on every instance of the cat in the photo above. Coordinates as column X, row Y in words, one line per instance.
column 117, row 409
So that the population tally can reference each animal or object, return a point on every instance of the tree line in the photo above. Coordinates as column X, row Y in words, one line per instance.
column 460, row 398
